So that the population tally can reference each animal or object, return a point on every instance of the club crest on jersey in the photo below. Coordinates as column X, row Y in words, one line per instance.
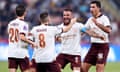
column 25, row 28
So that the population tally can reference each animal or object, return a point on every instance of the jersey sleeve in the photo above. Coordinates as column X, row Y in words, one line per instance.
column 106, row 21
column 58, row 30
column 8, row 28
column 87, row 24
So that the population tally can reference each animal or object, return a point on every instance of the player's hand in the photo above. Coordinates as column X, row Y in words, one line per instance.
column 102, row 38
column 34, row 45
column 73, row 20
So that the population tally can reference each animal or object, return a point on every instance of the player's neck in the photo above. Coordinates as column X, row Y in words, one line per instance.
column 21, row 18
column 45, row 23
column 98, row 15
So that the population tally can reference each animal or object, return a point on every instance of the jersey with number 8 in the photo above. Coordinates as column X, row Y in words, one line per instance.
column 44, row 38
column 17, row 48
column 41, row 40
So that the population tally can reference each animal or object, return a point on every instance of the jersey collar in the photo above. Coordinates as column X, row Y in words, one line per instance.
column 99, row 16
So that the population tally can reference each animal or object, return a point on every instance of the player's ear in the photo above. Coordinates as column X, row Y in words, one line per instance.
column 25, row 13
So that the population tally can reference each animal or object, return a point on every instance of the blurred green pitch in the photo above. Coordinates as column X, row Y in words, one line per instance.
column 110, row 67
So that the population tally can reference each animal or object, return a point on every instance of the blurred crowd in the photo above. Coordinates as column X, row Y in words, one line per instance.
column 117, row 2
column 55, row 8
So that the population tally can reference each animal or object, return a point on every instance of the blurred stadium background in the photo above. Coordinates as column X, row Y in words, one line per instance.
column 80, row 8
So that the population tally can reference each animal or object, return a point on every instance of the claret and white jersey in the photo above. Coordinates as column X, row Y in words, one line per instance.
column 17, row 48
column 102, row 20
column 45, row 39
column 70, row 42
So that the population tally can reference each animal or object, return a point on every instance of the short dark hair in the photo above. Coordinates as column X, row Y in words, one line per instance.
column 98, row 4
column 20, row 10
column 43, row 16
column 68, row 9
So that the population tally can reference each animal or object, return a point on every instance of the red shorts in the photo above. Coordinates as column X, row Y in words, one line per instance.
column 48, row 67
column 14, row 62
column 97, row 54
column 74, row 60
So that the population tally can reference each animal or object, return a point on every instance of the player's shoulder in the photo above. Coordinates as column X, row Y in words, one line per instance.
column 51, row 27
column 104, row 16
column 23, row 22
column 61, row 25
column 78, row 24
column 12, row 21
column 90, row 18
column 36, row 27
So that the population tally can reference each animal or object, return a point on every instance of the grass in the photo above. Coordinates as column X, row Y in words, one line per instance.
column 110, row 67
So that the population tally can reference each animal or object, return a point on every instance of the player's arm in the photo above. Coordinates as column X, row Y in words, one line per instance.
column 70, row 25
column 58, row 38
column 23, row 38
column 106, row 29
column 92, row 33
